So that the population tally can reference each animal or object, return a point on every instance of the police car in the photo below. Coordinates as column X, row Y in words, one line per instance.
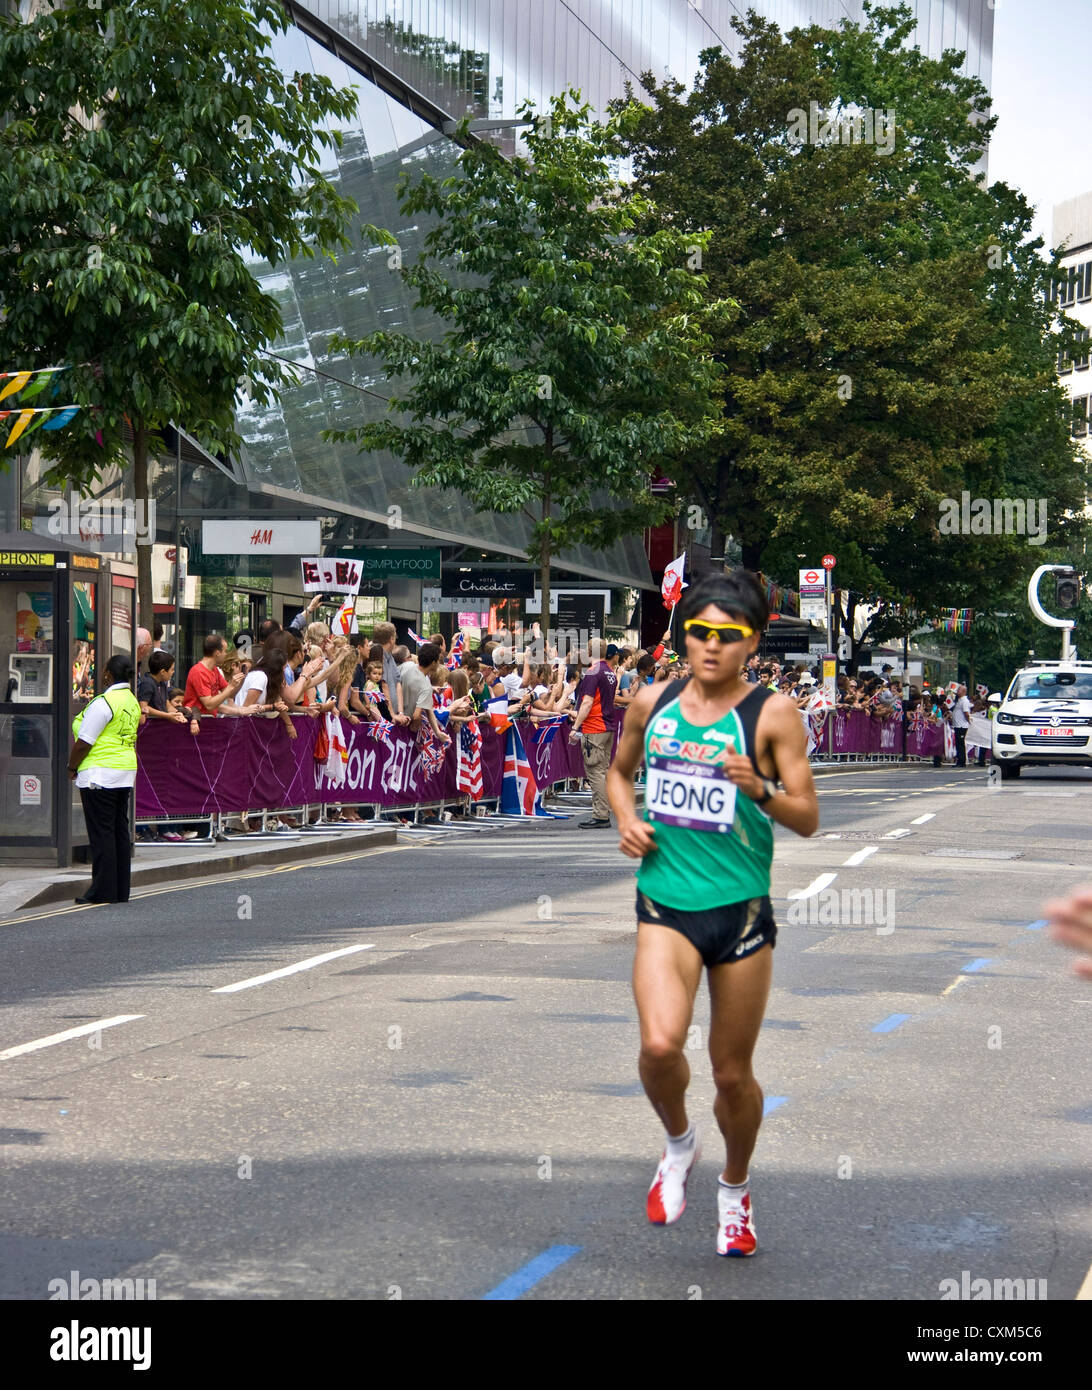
column 1045, row 717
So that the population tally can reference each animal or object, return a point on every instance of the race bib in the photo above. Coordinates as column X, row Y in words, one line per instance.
column 690, row 795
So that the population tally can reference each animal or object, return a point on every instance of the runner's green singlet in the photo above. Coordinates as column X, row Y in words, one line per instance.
column 714, row 845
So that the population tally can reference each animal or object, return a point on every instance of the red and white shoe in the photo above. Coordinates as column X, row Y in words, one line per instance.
column 667, row 1195
column 735, row 1225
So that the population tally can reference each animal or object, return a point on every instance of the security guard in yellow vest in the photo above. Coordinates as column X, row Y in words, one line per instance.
column 103, row 764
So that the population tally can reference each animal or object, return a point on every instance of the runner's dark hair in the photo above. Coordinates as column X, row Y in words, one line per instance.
column 738, row 592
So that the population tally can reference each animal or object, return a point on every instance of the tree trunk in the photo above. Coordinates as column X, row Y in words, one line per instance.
column 752, row 555
column 145, row 604
column 717, row 544
column 854, row 645
column 544, row 576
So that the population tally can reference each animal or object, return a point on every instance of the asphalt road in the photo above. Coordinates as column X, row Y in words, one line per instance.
column 450, row 1108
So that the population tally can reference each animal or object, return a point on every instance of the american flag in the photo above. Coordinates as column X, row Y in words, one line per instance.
column 455, row 658
column 468, row 777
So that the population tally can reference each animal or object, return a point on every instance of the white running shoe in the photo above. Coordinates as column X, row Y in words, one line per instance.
column 735, row 1224
column 667, row 1195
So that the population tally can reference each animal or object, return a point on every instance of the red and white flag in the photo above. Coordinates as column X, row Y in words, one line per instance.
column 345, row 618
column 338, row 755
column 673, row 582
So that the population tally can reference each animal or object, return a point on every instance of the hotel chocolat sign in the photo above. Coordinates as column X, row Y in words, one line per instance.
column 470, row 581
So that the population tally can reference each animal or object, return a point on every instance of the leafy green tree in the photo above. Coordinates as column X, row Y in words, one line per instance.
column 896, row 344
column 150, row 150
column 576, row 350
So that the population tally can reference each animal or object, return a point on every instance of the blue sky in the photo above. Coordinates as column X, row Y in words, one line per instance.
column 1041, row 80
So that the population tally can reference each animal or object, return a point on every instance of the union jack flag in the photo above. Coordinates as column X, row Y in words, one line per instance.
column 455, row 659
column 519, row 790
column 432, row 751
column 468, row 777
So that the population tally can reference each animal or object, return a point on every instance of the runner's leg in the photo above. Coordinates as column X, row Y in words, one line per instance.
column 737, row 993
column 666, row 973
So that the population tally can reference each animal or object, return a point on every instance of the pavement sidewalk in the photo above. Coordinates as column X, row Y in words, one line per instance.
column 165, row 862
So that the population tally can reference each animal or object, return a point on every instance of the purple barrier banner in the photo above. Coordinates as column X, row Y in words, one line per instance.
column 924, row 740
column 237, row 765
column 853, row 731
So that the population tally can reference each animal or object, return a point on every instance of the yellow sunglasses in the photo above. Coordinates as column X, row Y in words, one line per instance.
column 723, row 632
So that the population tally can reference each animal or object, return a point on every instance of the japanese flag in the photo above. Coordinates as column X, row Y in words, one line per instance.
column 345, row 619
column 673, row 582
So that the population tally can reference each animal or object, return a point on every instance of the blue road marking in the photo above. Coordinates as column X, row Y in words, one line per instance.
column 890, row 1023
column 772, row 1103
column 979, row 963
column 532, row 1273
column 1037, row 926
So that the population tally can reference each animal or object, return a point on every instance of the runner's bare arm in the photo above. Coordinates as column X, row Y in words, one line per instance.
column 782, row 741
column 636, row 835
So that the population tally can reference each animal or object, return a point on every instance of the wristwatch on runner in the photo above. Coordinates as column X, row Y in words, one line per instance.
column 768, row 789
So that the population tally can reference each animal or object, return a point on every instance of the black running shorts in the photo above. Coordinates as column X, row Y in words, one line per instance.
column 719, row 934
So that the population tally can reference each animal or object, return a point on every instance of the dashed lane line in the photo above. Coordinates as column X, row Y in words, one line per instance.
column 816, row 886
column 308, row 964
column 929, row 815
column 83, row 1031
column 860, row 856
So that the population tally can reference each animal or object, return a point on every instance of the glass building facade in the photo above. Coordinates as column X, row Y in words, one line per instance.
column 420, row 65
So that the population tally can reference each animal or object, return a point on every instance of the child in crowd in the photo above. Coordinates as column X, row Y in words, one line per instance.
column 176, row 699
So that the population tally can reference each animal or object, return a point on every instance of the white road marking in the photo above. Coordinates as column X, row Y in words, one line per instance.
column 817, row 887
column 81, row 1032
column 929, row 815
column 859, row 857
column 291, row 969
column 896, row 834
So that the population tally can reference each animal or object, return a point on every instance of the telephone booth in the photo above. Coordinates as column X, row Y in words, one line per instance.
column 63, row 613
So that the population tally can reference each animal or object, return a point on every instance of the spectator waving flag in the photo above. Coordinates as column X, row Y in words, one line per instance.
column 338, row 755
column 432, row 751
column 550, row 727
column 455, row 659
column 497, row 711
column 345, row 618
column 673, row 582
column 468, row 776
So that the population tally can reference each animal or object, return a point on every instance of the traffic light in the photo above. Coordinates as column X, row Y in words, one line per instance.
column 1067, row 589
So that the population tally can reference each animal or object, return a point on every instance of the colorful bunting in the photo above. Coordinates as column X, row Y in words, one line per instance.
column 63, row 415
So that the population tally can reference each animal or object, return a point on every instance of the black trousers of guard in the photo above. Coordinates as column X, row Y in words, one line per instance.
column 106, row 811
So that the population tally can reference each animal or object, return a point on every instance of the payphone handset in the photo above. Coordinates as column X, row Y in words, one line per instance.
column 30, row 678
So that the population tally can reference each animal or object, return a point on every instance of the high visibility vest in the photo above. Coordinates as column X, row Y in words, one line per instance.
column 115, row 747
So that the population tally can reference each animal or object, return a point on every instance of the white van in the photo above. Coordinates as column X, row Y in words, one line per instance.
column 1045, row 717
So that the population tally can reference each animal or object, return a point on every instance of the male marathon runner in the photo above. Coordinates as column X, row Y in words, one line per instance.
column 715, row 747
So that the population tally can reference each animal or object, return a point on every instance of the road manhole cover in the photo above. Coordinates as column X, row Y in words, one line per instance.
column 977, row 853
column 872, row 836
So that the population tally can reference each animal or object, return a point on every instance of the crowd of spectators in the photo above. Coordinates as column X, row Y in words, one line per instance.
column 305, row 670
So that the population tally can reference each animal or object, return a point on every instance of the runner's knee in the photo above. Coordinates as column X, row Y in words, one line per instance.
column 733, row 1081
column 660, row 1050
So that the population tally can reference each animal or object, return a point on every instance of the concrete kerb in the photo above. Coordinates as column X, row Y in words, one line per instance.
column 227, row 858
